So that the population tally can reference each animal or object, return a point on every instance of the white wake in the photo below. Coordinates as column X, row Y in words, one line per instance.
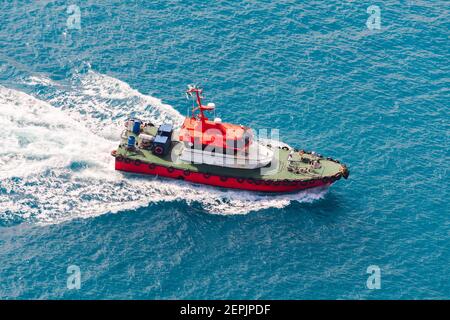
column 55, row 162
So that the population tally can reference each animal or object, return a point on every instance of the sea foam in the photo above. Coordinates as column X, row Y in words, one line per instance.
column 55, row 162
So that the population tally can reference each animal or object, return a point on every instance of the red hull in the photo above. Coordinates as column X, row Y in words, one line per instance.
column 220, row 181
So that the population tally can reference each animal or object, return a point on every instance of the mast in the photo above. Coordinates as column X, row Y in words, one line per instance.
column 198, row 93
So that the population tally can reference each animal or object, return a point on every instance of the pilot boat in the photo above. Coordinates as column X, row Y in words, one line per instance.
column 221, row 154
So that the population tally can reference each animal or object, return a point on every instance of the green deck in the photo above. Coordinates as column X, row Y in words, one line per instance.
column 328, row 167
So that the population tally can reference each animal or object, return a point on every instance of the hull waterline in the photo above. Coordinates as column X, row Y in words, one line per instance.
column 250, row 184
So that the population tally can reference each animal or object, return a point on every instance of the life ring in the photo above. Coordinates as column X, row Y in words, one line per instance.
column 223, row 179
column 240, row 180
column 326, row 180
column 158, row 150
column 152, row 166
column 137, row 162
column 170, row 169
column 186, row 172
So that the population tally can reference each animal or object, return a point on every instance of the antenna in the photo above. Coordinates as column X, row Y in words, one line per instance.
column 198, row 95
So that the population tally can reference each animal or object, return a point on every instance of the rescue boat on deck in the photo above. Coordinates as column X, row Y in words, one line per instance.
column 220, row 154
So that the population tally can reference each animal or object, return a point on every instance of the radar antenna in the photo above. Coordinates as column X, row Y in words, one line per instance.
column 194, row 89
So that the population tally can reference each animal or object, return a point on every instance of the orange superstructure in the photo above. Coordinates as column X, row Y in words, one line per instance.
column 198, row 131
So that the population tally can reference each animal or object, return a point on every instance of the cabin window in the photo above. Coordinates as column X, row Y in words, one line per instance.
column 246, row 140
column 247, row 137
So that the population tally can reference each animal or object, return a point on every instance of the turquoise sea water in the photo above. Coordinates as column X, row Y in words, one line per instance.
column 378, row 100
